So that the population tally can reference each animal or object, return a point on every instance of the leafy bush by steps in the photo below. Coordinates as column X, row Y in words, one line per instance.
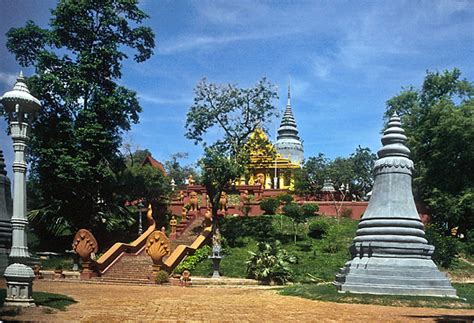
column 162, row 277
column 270, row 263
column 191, row 261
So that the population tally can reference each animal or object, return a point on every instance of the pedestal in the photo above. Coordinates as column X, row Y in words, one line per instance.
column 19, row 279
column 215, row 266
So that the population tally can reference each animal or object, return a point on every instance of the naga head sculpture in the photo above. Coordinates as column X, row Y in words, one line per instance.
column 158, row 246
column 85, row 244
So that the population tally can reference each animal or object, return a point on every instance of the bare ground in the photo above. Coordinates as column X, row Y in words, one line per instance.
column 117, row 303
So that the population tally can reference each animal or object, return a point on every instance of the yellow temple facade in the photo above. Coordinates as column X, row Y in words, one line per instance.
column 266, row 164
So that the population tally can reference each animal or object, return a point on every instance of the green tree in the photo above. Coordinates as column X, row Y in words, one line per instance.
column 179, row 172
column 341, row 171
column 76, row 139
column 237, row 112
column 297, row 214
column 363, row 162
column 439, row 122
column 144, row 182
column 355, row 170
column 310, row 178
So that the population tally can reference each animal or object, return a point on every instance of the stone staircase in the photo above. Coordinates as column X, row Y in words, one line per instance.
column 187, row 234
column 129, row 268
column 136, row 268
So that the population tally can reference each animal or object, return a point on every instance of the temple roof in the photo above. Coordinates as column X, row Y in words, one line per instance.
column 262, row 153
column 154, row 163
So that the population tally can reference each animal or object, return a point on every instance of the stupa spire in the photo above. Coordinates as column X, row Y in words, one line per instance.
column 288, row 142
column 289, row 93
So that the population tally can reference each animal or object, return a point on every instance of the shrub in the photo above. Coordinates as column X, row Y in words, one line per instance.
column 445, row 246
column 318, row 229
column 234, row 228
column 269, row 263
column 296, row 213
column 338, row 236
column 468, row 244
column 162, row 277
column 309, row 209
column 191, row 261
column 269, row 205
column 285, row 198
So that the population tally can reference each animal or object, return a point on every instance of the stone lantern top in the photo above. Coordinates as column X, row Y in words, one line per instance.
column 20, row 95
column 394, row 139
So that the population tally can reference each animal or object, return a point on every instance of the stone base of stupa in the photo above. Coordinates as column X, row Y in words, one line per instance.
column 393, row 276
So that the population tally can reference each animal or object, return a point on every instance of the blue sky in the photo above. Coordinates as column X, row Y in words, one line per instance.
column 345, row 59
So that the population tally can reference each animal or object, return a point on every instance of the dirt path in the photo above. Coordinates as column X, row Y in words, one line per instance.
column 114, row 303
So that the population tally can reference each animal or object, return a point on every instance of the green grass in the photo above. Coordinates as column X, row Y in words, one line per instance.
column 315, row 263
column 56, row 301
column 52, row 263
column 461, row 270
column 233, row 263
column 328, row 293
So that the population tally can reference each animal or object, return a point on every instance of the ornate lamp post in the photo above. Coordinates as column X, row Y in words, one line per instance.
column 140, row 226
column 22, row 108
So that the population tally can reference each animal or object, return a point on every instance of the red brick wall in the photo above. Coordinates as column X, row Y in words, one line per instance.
column 325, row 207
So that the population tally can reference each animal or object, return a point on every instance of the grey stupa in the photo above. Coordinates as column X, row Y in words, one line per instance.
column 288, row 143
column 390, row 254
column 6, row 205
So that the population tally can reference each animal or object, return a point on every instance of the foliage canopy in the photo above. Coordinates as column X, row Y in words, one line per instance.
column 75, row 145
column 237, row 112
column 439, row 122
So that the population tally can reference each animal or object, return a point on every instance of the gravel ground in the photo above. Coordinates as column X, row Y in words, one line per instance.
column 118, row 303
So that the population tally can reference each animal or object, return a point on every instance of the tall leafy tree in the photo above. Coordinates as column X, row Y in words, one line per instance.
column 439, row 123
column 75, row 145
column 179, row 172
column 235, row 112
column 363, row 160
column 310, row 178
column 355, row 170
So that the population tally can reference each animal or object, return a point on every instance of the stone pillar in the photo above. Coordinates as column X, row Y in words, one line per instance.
column 19, row 250
column 21, row 108
column 390, row 254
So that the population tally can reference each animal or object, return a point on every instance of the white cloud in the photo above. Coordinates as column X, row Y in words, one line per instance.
column 192, row 42
column 321, row 67
column 8, row 78
column 235, row 13
column 161, row 100
column 299, row 87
